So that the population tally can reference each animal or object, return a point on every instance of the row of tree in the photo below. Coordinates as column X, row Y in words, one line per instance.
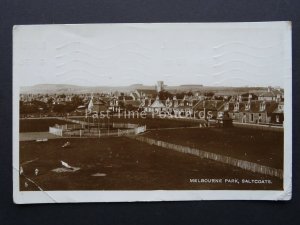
column 163, row 95
column 36, row 106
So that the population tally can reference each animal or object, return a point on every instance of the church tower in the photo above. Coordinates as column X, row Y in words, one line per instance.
column 160, row 86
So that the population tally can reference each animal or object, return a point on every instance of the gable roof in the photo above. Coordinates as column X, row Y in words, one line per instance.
column 133, row 103
column 209, row 104
column 254, row 106
column 157, row 104
column 147, row 92
column 135, row 95
column 277, row 110
column 272, row 93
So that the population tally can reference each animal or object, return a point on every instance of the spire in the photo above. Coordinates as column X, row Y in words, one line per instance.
column 91, row 105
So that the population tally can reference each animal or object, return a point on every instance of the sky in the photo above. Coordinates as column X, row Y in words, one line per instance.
column 211, row 54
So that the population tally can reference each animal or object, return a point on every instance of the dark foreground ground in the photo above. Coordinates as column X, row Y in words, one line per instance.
column 259, row 146
column 126, row 164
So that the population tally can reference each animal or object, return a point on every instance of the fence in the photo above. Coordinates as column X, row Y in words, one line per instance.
column 126, row 132
column 250, row 166
column 94, row 132
column 101, row 125
column 139, row 130
column 124, row 125
column 74, row 121
column 56, row 131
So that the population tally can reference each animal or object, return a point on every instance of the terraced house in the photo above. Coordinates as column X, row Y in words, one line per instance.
column 174, row 106
column 254, row 111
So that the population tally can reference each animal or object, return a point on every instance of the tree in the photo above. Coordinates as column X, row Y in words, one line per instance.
column 69, row 107
column 219, row 98
column 62, row 96
column 59, row 108
column 189, row 93
column 180, row 95
column 130, row 107
column 42, row 106
column 28, row 109
column 76, row 101
column 121, row 104
column 209, row 94
column 50, row 101
column 163, row 95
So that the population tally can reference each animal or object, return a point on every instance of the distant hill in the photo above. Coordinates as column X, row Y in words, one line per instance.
column 51, row 88
column 76, row 89
column 67, row 88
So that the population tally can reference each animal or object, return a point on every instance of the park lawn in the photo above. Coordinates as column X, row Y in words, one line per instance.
column 42, row 125
column 151, row 123
column 39, row 125
column 128, row 165
column 259, row 146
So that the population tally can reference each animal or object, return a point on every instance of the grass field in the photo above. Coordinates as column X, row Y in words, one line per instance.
column 42, row 125
column 127, row 165
column 33, row 136
column 262, row 147
column 39, row 125
column 151, row 123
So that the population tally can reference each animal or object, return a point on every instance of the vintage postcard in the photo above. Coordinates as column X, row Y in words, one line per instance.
column 152, row 112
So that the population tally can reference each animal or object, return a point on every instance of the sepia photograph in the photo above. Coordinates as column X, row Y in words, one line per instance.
column 152, row 112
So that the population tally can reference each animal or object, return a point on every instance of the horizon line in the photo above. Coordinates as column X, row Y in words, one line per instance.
column 95, row 86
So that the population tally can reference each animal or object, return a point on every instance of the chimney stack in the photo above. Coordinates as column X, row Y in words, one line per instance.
column 278, row 98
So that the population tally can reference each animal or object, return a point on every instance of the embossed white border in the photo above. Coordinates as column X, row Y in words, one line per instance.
column 160, row 195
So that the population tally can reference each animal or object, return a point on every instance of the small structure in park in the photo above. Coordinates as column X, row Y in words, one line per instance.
column 84, row 129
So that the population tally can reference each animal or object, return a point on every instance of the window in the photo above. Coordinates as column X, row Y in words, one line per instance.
column 247, row 106
column 236, row 107
column 244, row 118
column 259, row 117
column 226, row 107
column 220, row 114
column 262, row 106
column 251, row 117
column 277, row 119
